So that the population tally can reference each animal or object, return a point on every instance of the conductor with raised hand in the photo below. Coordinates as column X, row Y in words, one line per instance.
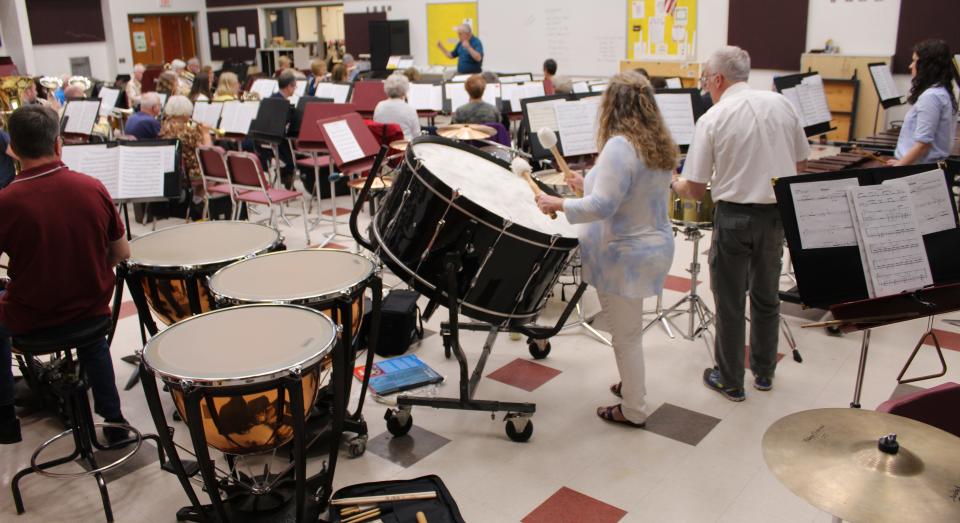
column 468, row 51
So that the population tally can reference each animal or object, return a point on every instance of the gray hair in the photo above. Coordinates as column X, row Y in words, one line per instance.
column 193, row 61
column 347, row 58
column 562, row 84
column 490, row 77
column 732, row 62
column 178, row 105
column 149, row 100
column 139, row 68
column 465, row 28
column 177, row 64
column 396, row 85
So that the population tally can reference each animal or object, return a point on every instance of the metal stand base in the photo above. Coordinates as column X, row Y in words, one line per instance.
column 659, row 319
column 585, row 322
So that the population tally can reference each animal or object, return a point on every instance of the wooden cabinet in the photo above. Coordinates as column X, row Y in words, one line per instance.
column 687, row 72
column 841, row 75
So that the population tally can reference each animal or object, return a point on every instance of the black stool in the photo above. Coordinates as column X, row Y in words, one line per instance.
column 64, row 378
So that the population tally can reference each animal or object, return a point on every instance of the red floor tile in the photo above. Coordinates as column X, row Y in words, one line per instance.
column 340, row 211
column 524, row 374
column 127, row 308
column 746, row 360
column 948, row 339
column 329, row 245
column 677, row 283
column 569, row 506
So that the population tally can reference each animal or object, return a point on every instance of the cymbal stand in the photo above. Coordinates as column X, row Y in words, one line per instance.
column 699, row 316
column 660, row 318
column 583, row 320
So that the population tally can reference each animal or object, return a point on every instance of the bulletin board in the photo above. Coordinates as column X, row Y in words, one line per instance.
column 441, row 21
column 661, row 29
column 223, row 28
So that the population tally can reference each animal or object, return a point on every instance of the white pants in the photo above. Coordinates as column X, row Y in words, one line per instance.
column 624, row 321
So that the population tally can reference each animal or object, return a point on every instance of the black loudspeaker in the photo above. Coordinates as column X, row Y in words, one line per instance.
column 388, row 38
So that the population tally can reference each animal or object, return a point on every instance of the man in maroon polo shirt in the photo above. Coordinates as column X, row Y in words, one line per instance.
column 64, row 237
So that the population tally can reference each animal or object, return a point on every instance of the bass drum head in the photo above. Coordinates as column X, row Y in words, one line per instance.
column 237, row 357
column 453, row 198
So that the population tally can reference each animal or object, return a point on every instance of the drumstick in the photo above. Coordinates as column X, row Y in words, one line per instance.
column 549, row 140
column 521, row 168
column 367, row 500
column 421, row 518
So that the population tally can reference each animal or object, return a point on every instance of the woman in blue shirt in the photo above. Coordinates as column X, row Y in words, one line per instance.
column 931, row 124
column 626, row 242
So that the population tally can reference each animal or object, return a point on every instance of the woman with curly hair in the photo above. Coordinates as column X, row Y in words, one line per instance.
column 929, row 128
column 626, row 242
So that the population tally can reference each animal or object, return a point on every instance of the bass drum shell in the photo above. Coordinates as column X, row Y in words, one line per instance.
column 511, row 286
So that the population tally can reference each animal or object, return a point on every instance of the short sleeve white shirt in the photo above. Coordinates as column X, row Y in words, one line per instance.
column 744, row 141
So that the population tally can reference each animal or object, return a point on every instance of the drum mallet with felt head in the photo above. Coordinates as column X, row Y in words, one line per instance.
column 548, row 140
column 521, row 168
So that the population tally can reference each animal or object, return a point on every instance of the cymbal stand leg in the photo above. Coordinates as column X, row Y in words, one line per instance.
column 660, row 319
column 864, row 347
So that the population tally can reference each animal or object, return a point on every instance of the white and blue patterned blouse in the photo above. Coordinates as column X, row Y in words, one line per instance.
column 626, row 241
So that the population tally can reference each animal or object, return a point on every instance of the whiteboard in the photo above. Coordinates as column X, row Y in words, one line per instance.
column 518, row 36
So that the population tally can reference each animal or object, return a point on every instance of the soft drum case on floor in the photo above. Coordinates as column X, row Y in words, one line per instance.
column 442, row 509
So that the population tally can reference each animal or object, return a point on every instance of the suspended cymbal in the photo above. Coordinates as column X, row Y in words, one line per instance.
column 832, row 459
column 378, row 183
column 466, row 131
column 400, row 145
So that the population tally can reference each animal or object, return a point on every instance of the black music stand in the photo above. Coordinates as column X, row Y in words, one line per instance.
column 793, row 80
column 833, row 277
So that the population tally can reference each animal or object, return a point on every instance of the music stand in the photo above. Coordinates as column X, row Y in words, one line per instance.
column 833, row 277
column 885, row 87
column 783, row 83
column 270, row 128
column 366, row 95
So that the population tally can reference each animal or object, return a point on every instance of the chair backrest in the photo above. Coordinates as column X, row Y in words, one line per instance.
column 213, row 164
column 385, row 133
column 503, row 135
column 937, row 406
column 244, row 169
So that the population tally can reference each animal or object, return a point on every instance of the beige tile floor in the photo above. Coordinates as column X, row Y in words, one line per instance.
column 651, row 477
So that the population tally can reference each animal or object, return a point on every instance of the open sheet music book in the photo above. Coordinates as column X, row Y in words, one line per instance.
column 337, row 92
column 674, row 83
column 426, row 97
column 264, row 87
column 108, row 99
column 677, row 111
column 127, row 171
column 236, row 116
column 810, row 101
column 81, row 116
column 577, row 125
column 207, row 113
column 887, row 89
column 514, row 92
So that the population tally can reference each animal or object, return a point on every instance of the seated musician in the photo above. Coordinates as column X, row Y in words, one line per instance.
column 338, row 74
column 168, row 84
column 396, row 109
column 134, row 87
column 476, row 110
column 184, row 78
column 562, row 85
column 318, row 73
column 928, row 130
column 283, row 63
column 286, row 87
column 144, row 124
column 177, row 125
column 193, row 66
column 29, row 96
column 68, row 276
column 202, row 88
column 228, row 88
column 74, row 92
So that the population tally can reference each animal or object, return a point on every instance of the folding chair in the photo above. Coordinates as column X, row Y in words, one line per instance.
column 213, row 172
column 250, row 185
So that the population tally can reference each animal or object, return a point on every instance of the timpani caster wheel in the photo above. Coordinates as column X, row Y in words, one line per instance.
column 399, row 421
column 539, row 349
column 357, row 446
column 519, row 429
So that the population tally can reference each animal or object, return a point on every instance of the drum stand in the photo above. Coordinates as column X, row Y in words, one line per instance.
column 582, row 321
column 699, row 316
column 519, row 427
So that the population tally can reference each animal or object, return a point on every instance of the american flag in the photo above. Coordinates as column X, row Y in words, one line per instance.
column 669, row 6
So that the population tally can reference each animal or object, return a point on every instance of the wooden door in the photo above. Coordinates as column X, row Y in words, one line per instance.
column 178, row 37
column 159, row 39
column 145, row 40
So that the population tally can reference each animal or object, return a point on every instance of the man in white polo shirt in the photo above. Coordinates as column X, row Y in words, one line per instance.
column 746, row 139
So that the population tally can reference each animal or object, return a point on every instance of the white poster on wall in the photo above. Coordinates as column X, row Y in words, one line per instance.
column 215, row 38
column 241, row 34
column 140, row 41
column 252, row 41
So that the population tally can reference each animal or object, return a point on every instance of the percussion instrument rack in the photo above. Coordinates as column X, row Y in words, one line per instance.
column 518, row 425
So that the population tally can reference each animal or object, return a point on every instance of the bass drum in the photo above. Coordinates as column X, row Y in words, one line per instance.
column 451, row 198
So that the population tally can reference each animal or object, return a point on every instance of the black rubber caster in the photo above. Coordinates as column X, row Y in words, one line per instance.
column 397, row 426
column 539, row 349
column 519, row 436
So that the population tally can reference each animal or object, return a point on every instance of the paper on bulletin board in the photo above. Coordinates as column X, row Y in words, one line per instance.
column 441, row 20
column 215, row 38
column 252, row 41
column 652, row 31
column 241, row 35
column 233, row 39
column 140, row 41
column 224, row 38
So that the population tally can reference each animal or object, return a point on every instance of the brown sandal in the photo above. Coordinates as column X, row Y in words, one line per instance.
column 615, row 389
column 607, row 414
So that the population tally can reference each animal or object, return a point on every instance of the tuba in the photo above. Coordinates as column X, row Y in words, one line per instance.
column 11, row 88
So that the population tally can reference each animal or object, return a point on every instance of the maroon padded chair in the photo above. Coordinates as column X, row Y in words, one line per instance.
column 938, row 406
column 213, row 172
column 250, row 185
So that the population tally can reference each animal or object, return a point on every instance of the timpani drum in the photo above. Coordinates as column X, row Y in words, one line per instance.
column 314, row 278
column 694, row 213
column 450, row 198
column 237, row 359
column 172, row 263
column 555, row 180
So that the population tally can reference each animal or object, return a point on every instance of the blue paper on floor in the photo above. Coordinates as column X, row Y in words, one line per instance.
column 399, row 374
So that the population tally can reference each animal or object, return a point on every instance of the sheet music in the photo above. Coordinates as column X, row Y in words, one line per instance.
column 542, row 114
column 883, row 79
column 393, row 62
column 674, row 83
column 581, row 87
column 343, row 141
column 405, row 63
column 516, row 78
column 264, row 87
column 823, row 213
column 677, row 111
column 337, row 92
column 457, row 94
column 577, row 123
column 301, row 88
column 931, row 200
column 460, row 78
column 163, row 99
column 514, row 93
column 169, row 158
column 895, row 253
column 207, row 113
column 108, row 99
column 141, row 172
column 425, row 97
column 81, row 115
column 813, row 100
column 98, row 161
column 598, row 88
column 236, row 116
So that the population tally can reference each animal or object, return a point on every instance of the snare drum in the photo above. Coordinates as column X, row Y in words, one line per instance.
column 237, row 359
column 311, row 277
column 691, row 212
column 452, row 198
column 172, row 263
